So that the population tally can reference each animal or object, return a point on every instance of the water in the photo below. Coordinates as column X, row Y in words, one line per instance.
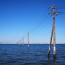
column 16, row 54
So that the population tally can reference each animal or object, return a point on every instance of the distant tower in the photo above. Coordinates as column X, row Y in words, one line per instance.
column 28, row 39
column 53, row 33
column 20, row 41
column 23, row 41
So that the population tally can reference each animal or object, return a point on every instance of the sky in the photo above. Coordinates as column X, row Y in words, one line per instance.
column 18, row 17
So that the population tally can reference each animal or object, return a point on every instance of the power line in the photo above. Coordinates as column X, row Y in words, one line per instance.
column 40, row 22
column 43, row 22
column 20, row 41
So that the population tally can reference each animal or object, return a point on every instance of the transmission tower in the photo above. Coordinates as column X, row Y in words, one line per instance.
column 28, row 39
column 23, row 41
column 53, row 32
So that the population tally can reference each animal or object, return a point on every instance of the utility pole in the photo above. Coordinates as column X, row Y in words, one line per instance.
column 53, row 32
column 28, row 39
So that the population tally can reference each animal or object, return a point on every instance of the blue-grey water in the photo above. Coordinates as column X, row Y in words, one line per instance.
column 37, row 54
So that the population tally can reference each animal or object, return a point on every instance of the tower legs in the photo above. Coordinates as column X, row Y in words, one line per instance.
column 54, row 41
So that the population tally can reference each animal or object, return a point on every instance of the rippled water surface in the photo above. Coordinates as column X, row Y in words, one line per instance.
column 37, row 54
